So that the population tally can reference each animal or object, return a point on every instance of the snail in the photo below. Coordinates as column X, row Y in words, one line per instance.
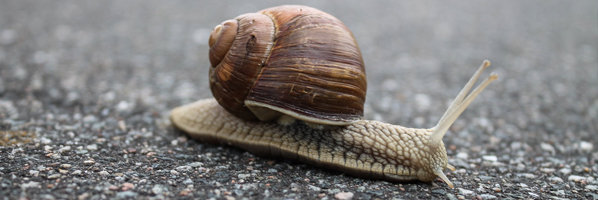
column 289, row 82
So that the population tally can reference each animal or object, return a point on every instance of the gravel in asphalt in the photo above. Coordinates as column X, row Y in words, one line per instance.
column 86, row 88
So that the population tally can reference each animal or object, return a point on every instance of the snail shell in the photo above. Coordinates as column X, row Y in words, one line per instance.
column 288, row 60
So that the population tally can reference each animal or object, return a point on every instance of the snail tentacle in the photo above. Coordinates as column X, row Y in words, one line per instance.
column 460, row 103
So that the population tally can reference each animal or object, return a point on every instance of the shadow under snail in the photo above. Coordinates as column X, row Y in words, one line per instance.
column 289, row 82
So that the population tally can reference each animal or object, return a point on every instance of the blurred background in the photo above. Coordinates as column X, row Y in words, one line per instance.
column 128, row 57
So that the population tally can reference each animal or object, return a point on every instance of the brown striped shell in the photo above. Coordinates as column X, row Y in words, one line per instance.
column 291, row 60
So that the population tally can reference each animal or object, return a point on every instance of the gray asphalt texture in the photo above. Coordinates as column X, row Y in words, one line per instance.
column 86, row 88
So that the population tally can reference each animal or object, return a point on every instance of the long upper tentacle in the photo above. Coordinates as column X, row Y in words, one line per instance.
column 460, row 104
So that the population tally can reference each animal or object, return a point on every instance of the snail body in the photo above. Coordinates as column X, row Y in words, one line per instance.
column 363, row 148
column 367, row 149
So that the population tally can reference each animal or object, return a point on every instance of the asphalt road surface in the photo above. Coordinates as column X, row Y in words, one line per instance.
column 86, row 88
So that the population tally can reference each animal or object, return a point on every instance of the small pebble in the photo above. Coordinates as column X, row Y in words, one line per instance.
column 48, row 196
column 481, row 188
column 547, row 147
column 103, row 173
column 516, row 145
column 295, row 187
column 196, row 164
column 555, row 179
column 520, row 167
column 465, row 192
column 126, row 195
column 89, row 118
column 586, row 146
column 65, row 166
column 33, row 173
column 54, row 176
column 31, row 184
column 526, row 175
column 185, row 192
column 81, row 151
column 122, row 126
column 485, row 178
column 490, row 158
column 565, row 171
column 183, row 168
column 533, row 194
column 174, row 172
column 76, row 172
column 159, row 189
column 89, row 162
column 576, row 178
column 451, row 196
column 462, row 155
column 547, row 170
column 314, row 188
column 64, row 149
column 132, row 150
column 559, row 193
column 182, row 139
column 343, row 195
column 113, row 187
column 439, row 191
column 127, row 186
column 243, row 176
column 592, row 187
column 360, row 188
column 45, row 140
column 121, row 107
column 488, row 196
column 92, row 147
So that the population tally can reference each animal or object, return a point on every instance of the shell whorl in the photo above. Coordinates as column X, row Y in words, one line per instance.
column 221, row 39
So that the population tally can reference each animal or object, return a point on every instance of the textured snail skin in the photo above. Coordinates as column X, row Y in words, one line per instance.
column 368, row 149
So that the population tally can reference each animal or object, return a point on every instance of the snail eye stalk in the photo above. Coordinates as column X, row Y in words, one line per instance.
column 460, row 104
